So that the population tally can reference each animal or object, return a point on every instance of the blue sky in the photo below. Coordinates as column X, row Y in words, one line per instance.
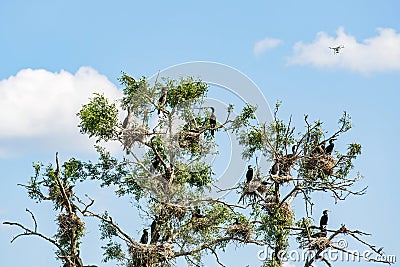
column 54, row 54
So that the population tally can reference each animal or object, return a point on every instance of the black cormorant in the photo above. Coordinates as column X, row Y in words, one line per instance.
column 154, row 164
column 293, row 151
column 249, row 174
column 145, row 237
column 127, row 119
column 197, row 214
column 323, row 222
column 213, row 121
column 153, row 226
column 275, row 168
column 163, row 99
column 154, row 232
column 329, row 148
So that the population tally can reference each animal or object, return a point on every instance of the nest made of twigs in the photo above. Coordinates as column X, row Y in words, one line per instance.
column 254, row 190
column 188, row 139
column 281, row 179
column 200, row 223
column 169, row 210
column 134, row 135
column 150, row 254
column 240, row 230
column 285, row 207
column 319, row 243
column 69, row 223
column 324, row 163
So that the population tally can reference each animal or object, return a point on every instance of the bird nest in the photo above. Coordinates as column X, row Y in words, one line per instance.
column 188, row 140
column 200, row 223
column 70, row 223
column 281, row 179
column 241, row 230
column 150, row 255
column 170, row 210
column 319, row 243
column 253, row 190
column 134, row 135
column 285, row 208
column 324, row 163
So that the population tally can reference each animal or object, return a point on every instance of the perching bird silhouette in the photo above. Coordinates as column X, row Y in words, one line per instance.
column 213, row 121
column 249, row 174
column 145, row 237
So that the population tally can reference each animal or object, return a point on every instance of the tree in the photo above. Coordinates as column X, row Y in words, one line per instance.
column 166, row 136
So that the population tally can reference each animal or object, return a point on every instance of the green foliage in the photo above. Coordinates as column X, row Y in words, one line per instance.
column 137, row 96
column 113, row 251
column 306, row 232
column 73, row 170
column 272, row 263
column 98, row 118
column 275, row 225
column 345, row 162
column 244, row 118
column 107, row 230
column 198, row 174
column 252, row 141
column 185, row 92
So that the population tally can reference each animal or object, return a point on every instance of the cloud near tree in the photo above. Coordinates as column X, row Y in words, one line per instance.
column 375, row 54
column 39, row 106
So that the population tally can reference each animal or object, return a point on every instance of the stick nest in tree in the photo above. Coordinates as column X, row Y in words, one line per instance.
column 134, row 135
column 169, row 210
column 319, row 243
column 281, row 179
column 188, row 140
column 69, row 223
column 149, row 255
column 285, row 207
column 240, row 230
column 324, row 163
column 253, row 190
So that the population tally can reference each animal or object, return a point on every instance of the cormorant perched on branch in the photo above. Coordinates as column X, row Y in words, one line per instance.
column 162, row 100
column 127, row 119
column 154, row 164
column 213, row 121
column 329, row 148
column 145, row 237
column 323, row 222
column 293, row 151
column 155, row 235
column 275, row 168
column 249, row 174
column 197, row 214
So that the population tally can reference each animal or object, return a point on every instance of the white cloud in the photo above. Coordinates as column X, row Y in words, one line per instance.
column 378, row 53
column 286, row 264
column 38, row 107
column 265, row 44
